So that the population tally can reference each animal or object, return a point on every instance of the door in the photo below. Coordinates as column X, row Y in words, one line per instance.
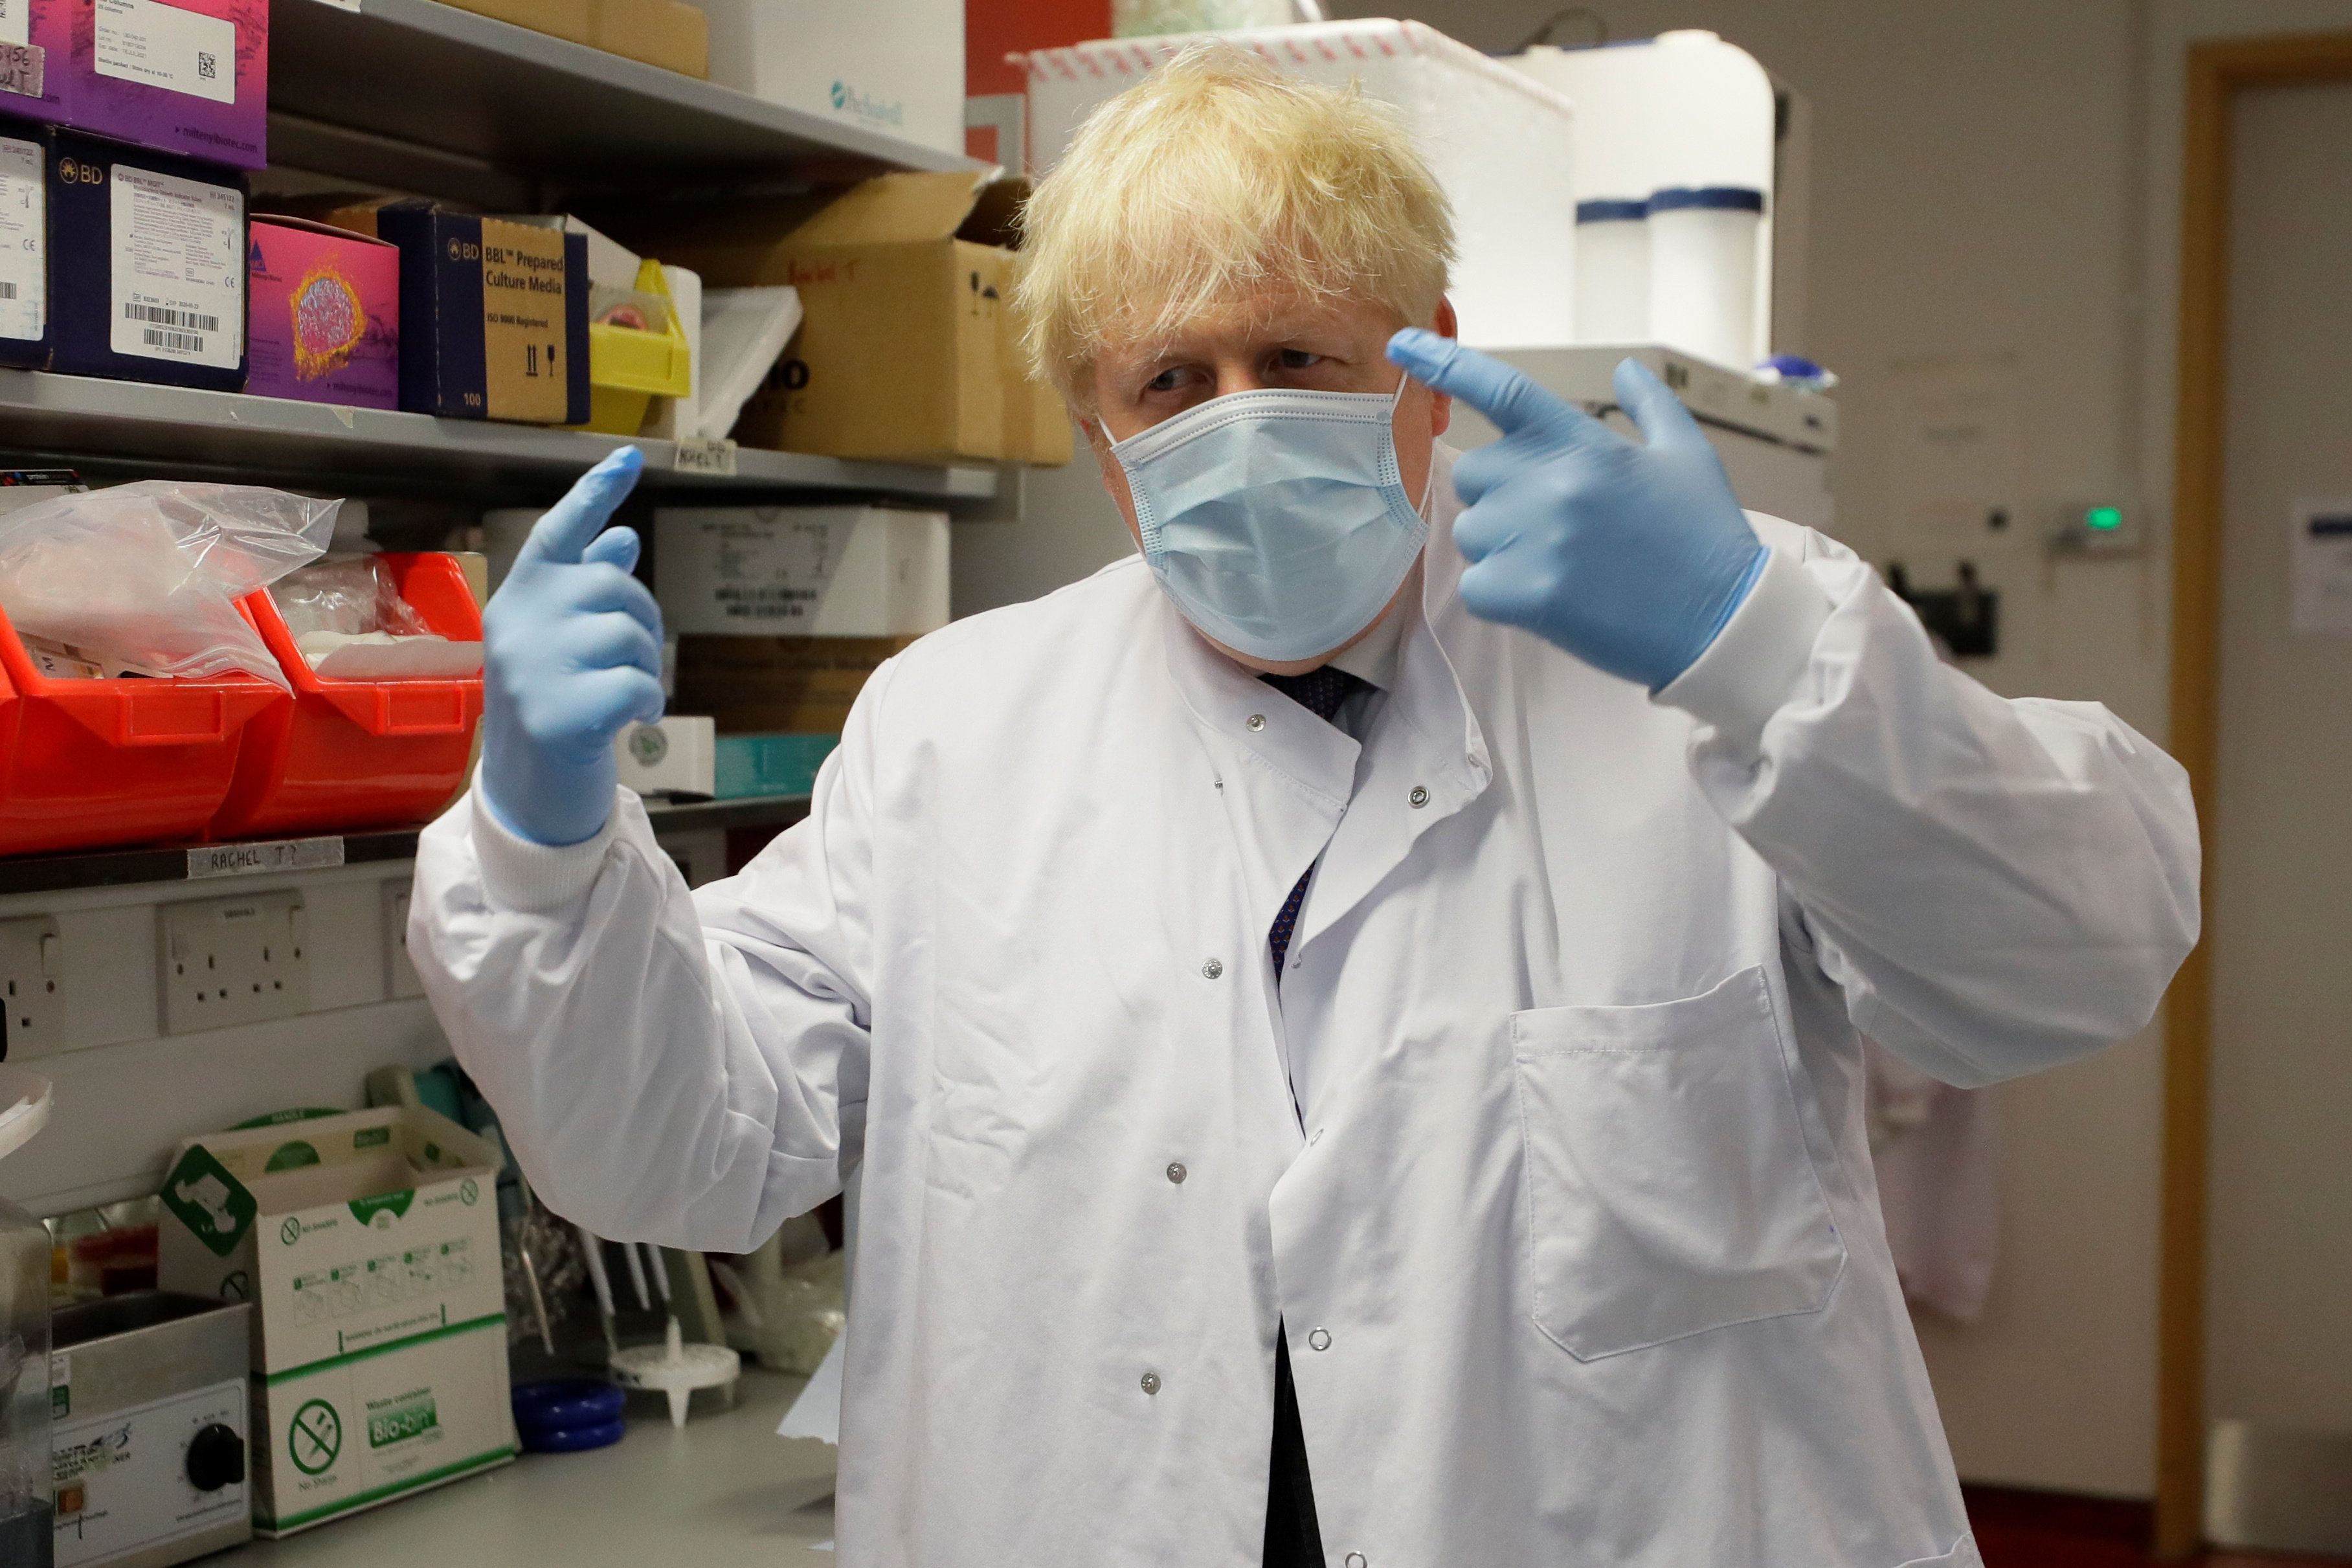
column 2279, row 1275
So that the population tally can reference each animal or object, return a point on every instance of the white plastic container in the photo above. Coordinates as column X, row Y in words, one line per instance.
column 1501, row 145
column 1685, row 108
column 1702, row 248
column 1612, row 271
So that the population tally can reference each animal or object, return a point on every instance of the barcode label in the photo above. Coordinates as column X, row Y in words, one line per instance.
column 185, row 343
column 196, row 320
column 7, row 289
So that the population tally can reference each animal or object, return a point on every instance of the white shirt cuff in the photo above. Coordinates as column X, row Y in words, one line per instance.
column 518, row 874
column 1753, row 665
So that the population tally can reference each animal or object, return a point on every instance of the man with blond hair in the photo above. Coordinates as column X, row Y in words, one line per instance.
column 1344, row 1023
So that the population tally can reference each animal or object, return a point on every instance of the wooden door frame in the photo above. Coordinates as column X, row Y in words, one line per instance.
column 2218, row 71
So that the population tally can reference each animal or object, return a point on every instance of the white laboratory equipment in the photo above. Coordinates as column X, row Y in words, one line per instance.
column 27, row 1503
column 1775, row 440
column 1688, row 110
column 1612, row 270
column 1702, row 258
column 1500, row 143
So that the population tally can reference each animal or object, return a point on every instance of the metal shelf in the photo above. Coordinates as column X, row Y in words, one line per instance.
column 46, row 419
column 423, row 73
column 207, row 862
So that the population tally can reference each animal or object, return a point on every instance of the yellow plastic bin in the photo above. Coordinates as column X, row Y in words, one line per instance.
column 627, row 368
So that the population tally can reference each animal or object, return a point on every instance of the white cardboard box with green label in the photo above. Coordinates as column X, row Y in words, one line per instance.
column 368, row 1242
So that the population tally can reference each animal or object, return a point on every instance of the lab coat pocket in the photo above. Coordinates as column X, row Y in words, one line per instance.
column 1669, row 1191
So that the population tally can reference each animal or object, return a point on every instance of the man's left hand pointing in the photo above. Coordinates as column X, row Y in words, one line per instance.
column 1630, row 557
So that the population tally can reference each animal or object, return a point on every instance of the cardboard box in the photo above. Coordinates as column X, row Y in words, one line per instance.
column 1500, row 144
column 368, row 1242
column 25, row 332
column 759, row 685
column 493, row 314
column 146, row 266
column 573, row 20
column 895, row 67
column 325, row 314
column 190, row 76
column 908, row 343
column 817, row 571
column 666, row 33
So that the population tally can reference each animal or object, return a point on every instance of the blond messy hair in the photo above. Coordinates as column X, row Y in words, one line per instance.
column 1216, row 182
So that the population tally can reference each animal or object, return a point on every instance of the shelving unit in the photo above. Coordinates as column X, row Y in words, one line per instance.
column 282, row 857
column 403, row 95
column 433, row 76
column 130, row 426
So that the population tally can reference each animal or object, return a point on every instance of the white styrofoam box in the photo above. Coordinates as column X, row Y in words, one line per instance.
column 895, row 67
column 1685, row 109
column 811, row 571
column 1500, row 143
column 678, row 756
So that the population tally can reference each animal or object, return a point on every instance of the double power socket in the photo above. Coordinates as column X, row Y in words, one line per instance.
column 224, row 961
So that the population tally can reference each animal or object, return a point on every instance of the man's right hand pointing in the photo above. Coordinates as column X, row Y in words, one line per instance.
column 1630, row 557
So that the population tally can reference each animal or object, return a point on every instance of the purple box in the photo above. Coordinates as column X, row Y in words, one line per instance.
column 323, row 314
column 189, row 77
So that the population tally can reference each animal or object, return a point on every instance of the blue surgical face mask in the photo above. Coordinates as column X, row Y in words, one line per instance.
column 1277, row 520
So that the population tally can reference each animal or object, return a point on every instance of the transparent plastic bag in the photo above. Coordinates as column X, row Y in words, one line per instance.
column 146, row 576
column 349, row 623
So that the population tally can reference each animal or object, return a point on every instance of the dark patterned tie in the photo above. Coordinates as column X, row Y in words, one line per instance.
column 1320, row 693
column 1293, row 1538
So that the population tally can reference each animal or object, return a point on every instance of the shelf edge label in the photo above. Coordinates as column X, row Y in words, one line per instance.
column 713, row 456
column 254, row 859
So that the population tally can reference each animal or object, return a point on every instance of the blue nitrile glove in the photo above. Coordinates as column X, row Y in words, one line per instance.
column 1631, row 557
column 570, row 652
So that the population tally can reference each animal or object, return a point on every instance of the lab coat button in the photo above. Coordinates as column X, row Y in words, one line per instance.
column 1356, row 1560
column 1212, row 969
column 1177, row 1173
column 1419, row 796
column 1151, row 1383
column 1255, row 721
column 1320, row 1338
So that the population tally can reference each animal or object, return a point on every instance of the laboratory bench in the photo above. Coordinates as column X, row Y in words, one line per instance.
column 723, row 1492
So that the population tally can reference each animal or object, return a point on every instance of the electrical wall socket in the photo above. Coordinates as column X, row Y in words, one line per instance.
column 400, row 976
column 233, row 961
column 30, row 956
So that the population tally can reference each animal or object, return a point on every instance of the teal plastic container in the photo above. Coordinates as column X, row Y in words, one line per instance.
column 748, row 765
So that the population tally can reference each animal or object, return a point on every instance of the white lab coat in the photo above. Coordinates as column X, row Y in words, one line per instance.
column 1578, row 1246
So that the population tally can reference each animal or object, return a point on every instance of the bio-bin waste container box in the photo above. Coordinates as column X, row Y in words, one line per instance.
column 368, row 1242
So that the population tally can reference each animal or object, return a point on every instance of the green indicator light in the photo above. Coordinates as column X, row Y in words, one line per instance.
column 2104, row 519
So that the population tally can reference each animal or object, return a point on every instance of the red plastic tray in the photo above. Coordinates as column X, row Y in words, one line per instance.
column 345, row 755
column 85, row 763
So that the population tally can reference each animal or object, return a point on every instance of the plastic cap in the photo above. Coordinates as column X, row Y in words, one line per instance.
column 1611, row 211
column 1707, row 198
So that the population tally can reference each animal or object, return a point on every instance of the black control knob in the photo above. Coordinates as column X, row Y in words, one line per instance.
column 215, row 1459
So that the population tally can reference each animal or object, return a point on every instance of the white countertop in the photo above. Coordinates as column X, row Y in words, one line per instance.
column 725, row 1492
